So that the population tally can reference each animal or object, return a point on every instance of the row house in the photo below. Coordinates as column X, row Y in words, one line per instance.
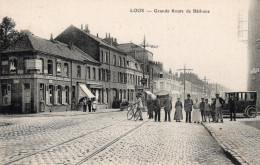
column 113, row 71
column 38, row 74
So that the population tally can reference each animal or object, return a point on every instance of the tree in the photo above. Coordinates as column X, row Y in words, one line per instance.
column 8, row 34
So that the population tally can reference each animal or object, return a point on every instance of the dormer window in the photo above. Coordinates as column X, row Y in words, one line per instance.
column 13, row 65
column 58, row 66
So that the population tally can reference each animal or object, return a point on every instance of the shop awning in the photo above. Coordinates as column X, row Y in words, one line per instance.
column 84, row 91
column 150, row 93
column 95, row 85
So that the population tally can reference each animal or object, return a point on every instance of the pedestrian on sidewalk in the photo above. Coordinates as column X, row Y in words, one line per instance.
column 196, row 114
column 84, row 104
column 207, row 110
column 139, row 104
column 219, row 102
column 202, row 109
column 178, row 110
column 232, row 104
column 188, row 108
column 157, row 110
column 89, row 103
column 168, row 108
column 212, row 109
column 150, row 106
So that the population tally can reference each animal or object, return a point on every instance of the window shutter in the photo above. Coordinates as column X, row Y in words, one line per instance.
column 109, row 75
column 9, row 94
column 47, row 95
column 63, row 95
column 125, row 78
column 55, row 95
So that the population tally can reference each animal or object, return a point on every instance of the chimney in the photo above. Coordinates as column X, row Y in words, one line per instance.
column 86, row 28
column 51, row 38
column 97, row 35
column 70, row 45
column 106, row 35
column 111, row 41
column 81, row 27
column 115, row 42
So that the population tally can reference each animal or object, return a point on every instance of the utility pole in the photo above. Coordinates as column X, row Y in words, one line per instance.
column 184, row 72
column 144, row 44
column 205, row 88
column 216, row 87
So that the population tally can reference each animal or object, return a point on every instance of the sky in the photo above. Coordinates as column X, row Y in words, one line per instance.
column 206, row 42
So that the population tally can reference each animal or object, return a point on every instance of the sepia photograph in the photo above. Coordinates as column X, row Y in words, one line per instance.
column 129, row 82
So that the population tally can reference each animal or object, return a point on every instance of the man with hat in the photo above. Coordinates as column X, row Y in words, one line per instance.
column 202, row 109
column 139, row 104
column 218, row 104
column 188, row 108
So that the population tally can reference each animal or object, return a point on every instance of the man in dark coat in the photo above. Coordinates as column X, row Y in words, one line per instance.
column 168, row 108
column 188, row 108
column 157, row 110
column 232, row 104
column 150, row 107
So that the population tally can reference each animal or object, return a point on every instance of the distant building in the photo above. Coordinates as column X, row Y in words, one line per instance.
column 254, row 49
column 44, row 75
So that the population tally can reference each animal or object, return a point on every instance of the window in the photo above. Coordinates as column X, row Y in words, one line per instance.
column 123, row 62
column 42, row 92
column 100, row 74
column 94, row 73
column 4, row 66
column 101, row 56
column 58, row 67
column 88, row 73
column 66, row 94
column 51, row 95
column 105, row 58
column 66, row 69
column 114, row 59
column 42, row 64
column 73, row 93
column 78, row 71
column 119, row 61
column 59, row 96
column 50, row 67
column 136, row 66
column 13, row 65
column 127, row 63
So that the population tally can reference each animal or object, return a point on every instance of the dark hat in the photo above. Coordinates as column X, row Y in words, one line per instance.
column 217, row 94
column 188, row 95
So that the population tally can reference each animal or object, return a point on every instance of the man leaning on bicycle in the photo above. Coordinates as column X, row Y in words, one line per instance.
column 139, row 104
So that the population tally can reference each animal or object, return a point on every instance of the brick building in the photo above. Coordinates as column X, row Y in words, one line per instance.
column 113, row 69
column 35, row 71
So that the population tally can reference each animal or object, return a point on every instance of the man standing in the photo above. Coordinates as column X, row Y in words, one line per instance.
column 202, row 109
column 140, row 105
column 89, row 102
column 157, row 110
column 150, row 107
column 219, row 102
column 188, row 108
column 168, row 108
column 84, row 104
column 232, row 104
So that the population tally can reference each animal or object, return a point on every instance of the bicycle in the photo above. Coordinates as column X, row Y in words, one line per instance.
column 133, row 112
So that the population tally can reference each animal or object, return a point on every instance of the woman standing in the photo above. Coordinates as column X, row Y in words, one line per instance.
column 196, row 115
column 178, row 111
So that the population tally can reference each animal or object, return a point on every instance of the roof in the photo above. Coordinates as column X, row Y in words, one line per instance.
column 30, row 42
column 99, row 40
column 129, row 47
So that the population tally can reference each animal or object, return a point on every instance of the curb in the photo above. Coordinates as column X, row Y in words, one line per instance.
column 233, row 156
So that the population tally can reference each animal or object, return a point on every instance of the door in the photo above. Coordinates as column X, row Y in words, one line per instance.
column 4, row 95
column 27, row 98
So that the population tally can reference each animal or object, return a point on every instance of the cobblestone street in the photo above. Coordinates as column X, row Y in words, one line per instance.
column 105, row 138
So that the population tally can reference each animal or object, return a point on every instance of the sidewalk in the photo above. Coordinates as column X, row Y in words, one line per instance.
column 240, row 142
column 62, row 113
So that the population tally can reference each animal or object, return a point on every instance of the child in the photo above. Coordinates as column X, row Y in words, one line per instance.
column 207, row 110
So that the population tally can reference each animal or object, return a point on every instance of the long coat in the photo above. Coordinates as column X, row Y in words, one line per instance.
column 156, row 105
column 232, row 105
column 168, row 104
column 188, row 105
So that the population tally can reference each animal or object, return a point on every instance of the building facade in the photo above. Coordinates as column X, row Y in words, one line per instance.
column 254, row 49
column 44, row 75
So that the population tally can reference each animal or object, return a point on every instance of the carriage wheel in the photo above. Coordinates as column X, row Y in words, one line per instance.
column 251, row 112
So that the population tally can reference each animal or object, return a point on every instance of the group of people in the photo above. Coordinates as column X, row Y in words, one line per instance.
column 197, row 112
column 89, row 104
